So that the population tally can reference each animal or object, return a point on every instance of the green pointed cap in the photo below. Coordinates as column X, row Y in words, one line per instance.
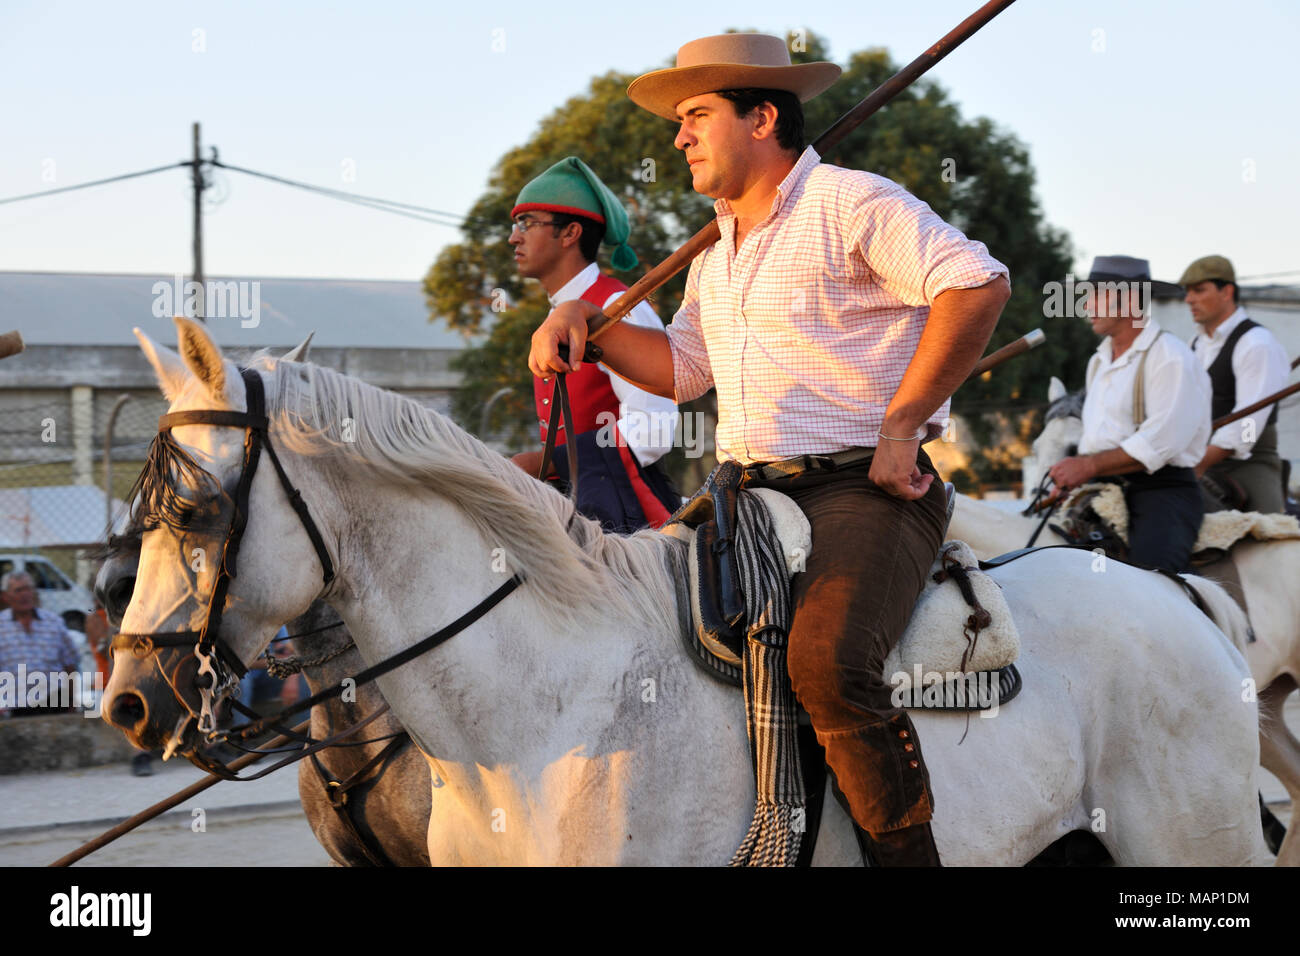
column 571, row 187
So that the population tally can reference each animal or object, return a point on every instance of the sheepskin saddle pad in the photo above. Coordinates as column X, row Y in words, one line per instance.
column 1220, row 530
column 960, row 645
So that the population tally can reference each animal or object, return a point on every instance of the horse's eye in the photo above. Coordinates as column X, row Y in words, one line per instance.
column 186, row 515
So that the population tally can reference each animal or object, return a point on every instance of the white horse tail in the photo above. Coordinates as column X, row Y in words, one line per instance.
column 1224, row 611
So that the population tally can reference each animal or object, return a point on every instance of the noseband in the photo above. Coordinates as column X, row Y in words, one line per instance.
column 219, row 673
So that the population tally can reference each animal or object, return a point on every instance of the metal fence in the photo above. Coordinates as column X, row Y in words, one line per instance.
column 67, row 459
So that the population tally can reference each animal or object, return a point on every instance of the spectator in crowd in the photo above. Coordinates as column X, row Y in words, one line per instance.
column 35, row 639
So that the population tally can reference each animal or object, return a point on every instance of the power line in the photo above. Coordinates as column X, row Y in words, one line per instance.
column 422, row 213
column 1272, row 275
column 97, row 182
column 437, row 217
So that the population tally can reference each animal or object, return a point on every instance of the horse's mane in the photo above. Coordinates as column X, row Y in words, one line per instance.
column 397, row 440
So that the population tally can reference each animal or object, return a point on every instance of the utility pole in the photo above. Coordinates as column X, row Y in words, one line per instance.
column 199, row 186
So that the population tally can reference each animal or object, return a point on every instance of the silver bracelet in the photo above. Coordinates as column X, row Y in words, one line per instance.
column 920, row 433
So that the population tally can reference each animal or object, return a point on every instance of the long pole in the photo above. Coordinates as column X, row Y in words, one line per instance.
column 176, row 799
column 197, row 179
column 841, row 128
column 1030, row 340
column 11, row 343
column 1251, row 409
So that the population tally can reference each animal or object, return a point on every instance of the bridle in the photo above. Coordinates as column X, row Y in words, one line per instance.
column 219, row 669
column 216, row 668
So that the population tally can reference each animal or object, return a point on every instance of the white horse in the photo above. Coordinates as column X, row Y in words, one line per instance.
column 1268, row 571
column 567, row 726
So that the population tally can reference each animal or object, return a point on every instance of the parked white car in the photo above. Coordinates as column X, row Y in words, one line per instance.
column 55, row 590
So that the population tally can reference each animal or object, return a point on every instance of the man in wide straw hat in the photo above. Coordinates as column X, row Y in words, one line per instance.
column 835, row 317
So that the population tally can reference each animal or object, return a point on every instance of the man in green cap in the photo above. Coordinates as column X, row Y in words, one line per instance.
column 560, row 220
column 1241, row 468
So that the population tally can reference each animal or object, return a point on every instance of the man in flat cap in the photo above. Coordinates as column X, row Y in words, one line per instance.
column 1145, row 416
column 835, row 317
column 1241, row 468
column 559, row 221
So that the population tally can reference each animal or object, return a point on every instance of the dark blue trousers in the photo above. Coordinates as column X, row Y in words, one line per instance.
column 1164, row 517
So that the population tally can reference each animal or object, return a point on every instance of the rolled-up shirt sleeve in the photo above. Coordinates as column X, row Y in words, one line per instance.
column 915, row 255
column 1260, row 367
column 1177, row 404
column 692, row 371
column 647, row 422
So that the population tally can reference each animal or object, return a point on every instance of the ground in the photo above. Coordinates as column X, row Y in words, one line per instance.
column 261, row 823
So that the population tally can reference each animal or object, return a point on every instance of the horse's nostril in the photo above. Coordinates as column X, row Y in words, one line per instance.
column 127, row 710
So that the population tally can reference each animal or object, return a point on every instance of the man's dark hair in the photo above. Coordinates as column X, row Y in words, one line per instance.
column 1236, row 293
column 593, row 233
column 789, row 112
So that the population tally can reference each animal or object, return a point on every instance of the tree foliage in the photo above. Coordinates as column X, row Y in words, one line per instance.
column 972, row 173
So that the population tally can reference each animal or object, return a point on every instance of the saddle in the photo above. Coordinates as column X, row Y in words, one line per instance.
column 743, row 642
column 958, row 650
column 1098, row 512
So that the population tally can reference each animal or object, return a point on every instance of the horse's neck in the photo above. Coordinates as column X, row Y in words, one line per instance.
column 990, row 531
column 415, row 564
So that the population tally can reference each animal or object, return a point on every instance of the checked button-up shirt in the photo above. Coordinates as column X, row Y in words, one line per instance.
column 46, row 648
column 807, row 328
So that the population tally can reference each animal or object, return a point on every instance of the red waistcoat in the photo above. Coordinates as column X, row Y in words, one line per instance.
column 589, row 390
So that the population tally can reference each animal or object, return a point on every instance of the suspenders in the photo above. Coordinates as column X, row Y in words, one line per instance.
column 1139, row 382
column 1139, row 386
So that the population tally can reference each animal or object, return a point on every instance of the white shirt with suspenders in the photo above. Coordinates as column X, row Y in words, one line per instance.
column 1153, row 401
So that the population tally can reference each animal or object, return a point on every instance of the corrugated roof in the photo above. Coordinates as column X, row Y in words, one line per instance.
column 61, row 308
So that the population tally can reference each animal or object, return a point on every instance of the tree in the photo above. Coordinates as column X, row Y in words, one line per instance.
column 970, row 172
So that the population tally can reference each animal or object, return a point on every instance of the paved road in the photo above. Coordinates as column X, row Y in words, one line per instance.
column 45, row 815
column 260, row 823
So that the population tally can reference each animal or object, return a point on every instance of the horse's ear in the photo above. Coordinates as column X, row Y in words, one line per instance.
column 1056, row 390
column 167, row 365
column 299, row 352
column 202, row 356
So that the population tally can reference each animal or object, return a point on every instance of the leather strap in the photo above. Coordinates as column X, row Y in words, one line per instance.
column 1139, row 385
column 790, row 467
column 553, row 428
column 383, row 667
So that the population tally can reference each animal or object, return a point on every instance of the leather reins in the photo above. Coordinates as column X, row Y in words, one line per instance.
column 553, row 428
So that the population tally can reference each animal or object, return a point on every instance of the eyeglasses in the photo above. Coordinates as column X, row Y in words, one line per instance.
column 524, row 223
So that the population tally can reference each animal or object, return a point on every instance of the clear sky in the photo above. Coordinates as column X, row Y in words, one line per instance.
column 1159, row 128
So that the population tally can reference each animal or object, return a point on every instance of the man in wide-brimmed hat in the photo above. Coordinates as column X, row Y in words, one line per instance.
column 1241, row 468
column 560, row 220
column 1146, row 416
column 835, row 317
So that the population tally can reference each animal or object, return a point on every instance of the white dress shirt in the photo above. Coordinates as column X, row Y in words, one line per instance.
column 647, row 422
column 1260, row 365
column 1176, row 394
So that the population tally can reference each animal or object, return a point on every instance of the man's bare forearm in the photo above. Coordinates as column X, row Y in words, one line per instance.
column 1115, row 461
column 956, row 332
column 639, row 355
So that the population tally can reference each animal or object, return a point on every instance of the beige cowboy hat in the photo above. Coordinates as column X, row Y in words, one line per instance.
column 730, row 61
